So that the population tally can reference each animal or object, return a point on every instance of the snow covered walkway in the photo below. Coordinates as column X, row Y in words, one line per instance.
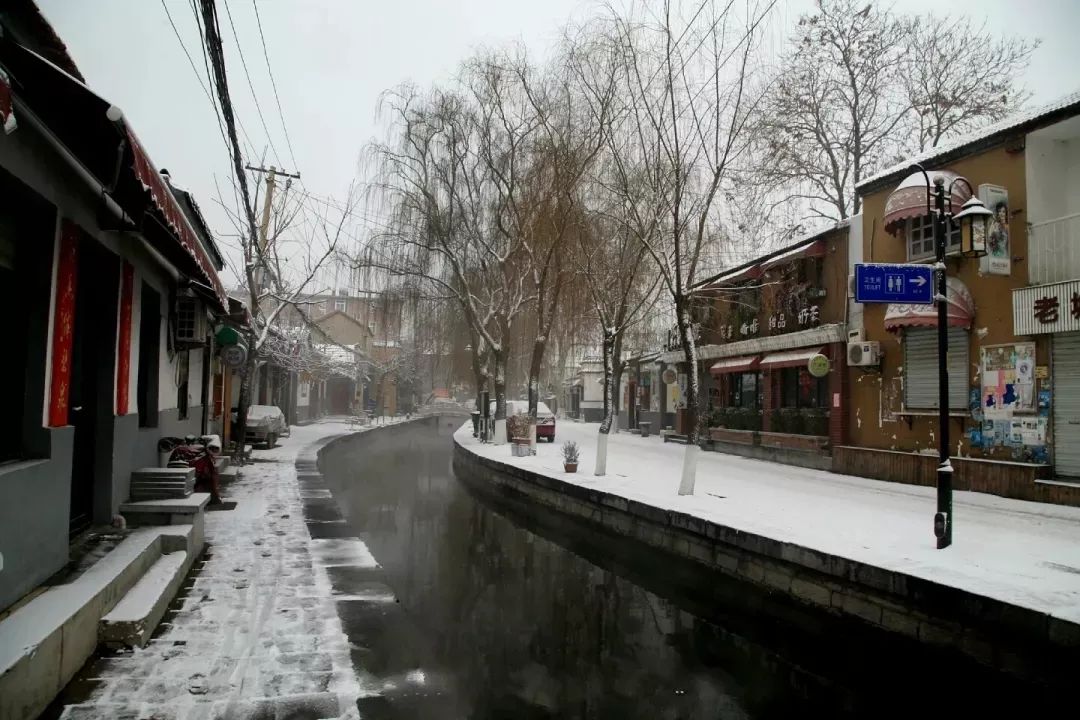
column 258, row 634
column 1023, row 553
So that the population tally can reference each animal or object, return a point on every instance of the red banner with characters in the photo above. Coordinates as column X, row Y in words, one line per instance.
column 63, row 335
column 123, row 338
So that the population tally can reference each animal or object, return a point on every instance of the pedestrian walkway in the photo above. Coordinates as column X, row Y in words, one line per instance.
column 1019, row 552
column 255, row 632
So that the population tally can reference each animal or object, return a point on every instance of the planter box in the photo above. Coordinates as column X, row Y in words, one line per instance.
column 788, row 441
column 740, row 437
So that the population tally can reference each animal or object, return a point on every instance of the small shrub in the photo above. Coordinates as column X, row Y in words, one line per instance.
column 570, row 453
column 518, row 426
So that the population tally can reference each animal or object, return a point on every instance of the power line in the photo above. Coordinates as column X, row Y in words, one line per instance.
column 210, row 77
column 194, row 69
column 251, row 86
column 273, row 84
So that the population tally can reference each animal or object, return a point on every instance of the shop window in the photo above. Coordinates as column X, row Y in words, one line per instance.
column 921, row 369
column 800, row 389
column 744, row 390
column 920, row 237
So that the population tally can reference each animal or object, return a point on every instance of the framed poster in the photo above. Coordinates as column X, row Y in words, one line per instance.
column 998, row 259
column 1007, row 374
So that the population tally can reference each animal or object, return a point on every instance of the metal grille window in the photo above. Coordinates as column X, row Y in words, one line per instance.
column 187, row 318
column 920, row 232
column 921, row 364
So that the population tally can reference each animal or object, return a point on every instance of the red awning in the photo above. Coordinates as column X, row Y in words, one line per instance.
column 909, row 199
column 815, row 249
column 77, row 117
column 735, row 365
column 753, row 272
column 961, row 310
column 170, row 210
column 790, row 358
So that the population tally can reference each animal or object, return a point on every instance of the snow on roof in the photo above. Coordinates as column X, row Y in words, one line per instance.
column 1067, row 106
column 790, row 248
column 337, row 353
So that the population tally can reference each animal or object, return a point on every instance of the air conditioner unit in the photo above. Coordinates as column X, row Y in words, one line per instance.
column 864, row 354
column 190, row 321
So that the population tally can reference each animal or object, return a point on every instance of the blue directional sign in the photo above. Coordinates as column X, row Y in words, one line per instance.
column 884, row 283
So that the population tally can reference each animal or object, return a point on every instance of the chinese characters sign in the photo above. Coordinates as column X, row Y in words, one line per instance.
column 1047, row 308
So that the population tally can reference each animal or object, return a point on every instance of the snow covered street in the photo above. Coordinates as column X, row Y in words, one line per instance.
column 1018, row 552
column 257, row 634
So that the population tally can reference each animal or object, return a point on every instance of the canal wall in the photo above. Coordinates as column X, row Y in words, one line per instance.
column 1028, row 645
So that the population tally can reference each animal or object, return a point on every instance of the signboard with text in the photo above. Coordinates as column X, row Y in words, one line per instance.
column 886, row 283
column 1047, row 308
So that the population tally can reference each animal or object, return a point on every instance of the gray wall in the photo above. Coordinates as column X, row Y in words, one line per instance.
column 34, row 499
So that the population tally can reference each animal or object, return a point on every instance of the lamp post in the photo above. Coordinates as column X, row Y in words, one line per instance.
column 974, row 221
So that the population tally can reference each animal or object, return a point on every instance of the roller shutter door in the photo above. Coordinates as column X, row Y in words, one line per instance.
column 1066, row 404
column 920, row 369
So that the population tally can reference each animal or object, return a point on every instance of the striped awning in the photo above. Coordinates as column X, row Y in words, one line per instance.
column 961, row 310
column 735, row 365
column 791, row 358
column 910, row 199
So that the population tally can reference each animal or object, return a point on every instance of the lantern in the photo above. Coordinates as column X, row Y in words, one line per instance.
column 974, row 220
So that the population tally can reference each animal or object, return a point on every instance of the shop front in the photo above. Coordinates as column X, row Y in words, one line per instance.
column 1052, row 313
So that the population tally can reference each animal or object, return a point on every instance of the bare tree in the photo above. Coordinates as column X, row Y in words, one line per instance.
column 688, row 95
column 450, row 175
column 960, row 76
column 861, row 86
column 612, row 264
column 280, row 266
column 833, row 112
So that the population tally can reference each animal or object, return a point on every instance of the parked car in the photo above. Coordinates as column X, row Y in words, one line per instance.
column 545, row 419
column 265, row 424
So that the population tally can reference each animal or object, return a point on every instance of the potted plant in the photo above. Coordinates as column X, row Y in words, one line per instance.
column 570, row 456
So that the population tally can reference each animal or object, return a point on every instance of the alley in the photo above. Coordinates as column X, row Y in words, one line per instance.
column 255, row 628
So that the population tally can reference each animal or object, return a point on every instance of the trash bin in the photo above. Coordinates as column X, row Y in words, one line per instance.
column 644, row 427
column 475, row 414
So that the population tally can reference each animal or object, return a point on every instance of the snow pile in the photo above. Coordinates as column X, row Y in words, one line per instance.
column 1018, row 552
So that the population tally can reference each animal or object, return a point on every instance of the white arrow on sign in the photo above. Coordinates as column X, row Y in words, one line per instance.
column 917, row 281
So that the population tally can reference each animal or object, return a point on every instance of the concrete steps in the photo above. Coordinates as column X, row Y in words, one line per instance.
column 44, row 642
column 162, row 483
column 133, row 620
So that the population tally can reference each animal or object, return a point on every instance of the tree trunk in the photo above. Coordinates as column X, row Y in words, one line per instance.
column 689, row 345
column 244, row 402
column 534, row 385
column 500, row 357
column 609, row 404
column 616, row 377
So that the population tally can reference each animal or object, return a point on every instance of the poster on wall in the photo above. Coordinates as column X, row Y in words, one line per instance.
column 998, row 259
column 1007, row 373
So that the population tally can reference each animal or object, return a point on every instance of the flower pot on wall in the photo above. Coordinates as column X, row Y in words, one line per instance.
column 570, row 467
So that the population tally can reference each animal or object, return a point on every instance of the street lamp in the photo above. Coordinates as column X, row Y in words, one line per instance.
column 973, row 219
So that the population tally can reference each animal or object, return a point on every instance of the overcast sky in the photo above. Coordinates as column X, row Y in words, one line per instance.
column 332, row 58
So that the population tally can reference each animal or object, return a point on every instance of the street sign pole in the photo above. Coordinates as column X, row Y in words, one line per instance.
column 943, row 520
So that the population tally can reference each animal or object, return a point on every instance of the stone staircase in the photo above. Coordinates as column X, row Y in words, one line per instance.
column 118, row 601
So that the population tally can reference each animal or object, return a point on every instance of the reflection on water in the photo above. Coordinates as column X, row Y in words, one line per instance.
column 515, row 624
column 505, row 623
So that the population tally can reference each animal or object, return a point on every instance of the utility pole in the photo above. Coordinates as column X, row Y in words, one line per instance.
column 272, row 174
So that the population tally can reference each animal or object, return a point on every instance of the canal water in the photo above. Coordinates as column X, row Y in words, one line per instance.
column 502, row 612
